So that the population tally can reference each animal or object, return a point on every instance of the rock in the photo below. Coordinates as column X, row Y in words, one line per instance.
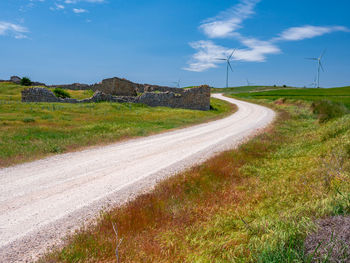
column 35, row 83
column 15, row 79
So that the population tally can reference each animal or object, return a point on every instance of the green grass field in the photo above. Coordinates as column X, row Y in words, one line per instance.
column 241, row 89
column 30, row 131
column 341, row 95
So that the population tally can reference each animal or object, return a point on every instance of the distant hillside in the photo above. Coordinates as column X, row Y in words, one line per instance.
column 249, row 89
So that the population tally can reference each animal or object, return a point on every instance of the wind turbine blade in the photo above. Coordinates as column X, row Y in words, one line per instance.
column 221, row 59
column 324, row 51
column 321, row 66
column 233, row 51
column 312, row 58
column 229, row 64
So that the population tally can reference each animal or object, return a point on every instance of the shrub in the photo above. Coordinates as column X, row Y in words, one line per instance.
column 60, row 93
column 27, row 120
column 25, row 81
column 327, row 110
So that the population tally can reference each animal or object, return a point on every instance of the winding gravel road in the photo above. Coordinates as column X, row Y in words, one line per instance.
column 42, row 201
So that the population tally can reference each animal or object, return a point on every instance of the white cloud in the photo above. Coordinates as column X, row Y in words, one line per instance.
column 227, row 22
column 57, row 7
column 206, row 56
column 256, row 50
column 208, row 53
column 308, row 31
column 226, row 25
column 79, row 10
column 15, row 30
column 88, row 1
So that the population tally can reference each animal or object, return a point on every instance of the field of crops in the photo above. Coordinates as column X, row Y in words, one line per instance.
column 341, row 95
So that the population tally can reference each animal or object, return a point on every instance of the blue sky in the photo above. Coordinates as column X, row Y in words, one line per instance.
column 159, row 41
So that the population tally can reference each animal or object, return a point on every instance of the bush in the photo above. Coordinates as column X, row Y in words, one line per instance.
column 60, row 93
column 327, row 110
column 27, row 120
column 25, row 81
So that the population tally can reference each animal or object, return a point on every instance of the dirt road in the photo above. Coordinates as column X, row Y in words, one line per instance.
column 43, row 200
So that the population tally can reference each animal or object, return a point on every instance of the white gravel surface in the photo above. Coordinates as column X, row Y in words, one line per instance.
column 42, row 201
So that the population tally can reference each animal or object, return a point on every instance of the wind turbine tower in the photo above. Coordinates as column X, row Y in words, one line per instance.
column 228, row 65
column 249, row 83
column 319, row 66
column 178, row 83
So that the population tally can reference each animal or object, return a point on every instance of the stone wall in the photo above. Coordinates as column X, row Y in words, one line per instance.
column 45, row 95
column 117, row 87
column 197, row 98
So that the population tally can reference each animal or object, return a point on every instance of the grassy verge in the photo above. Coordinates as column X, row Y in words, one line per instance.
column 34, row 130
column 253, row 204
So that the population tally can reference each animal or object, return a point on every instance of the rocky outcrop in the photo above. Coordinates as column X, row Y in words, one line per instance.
column 15, row 79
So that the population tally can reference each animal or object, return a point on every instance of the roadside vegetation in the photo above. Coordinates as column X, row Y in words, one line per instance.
column 257, row 203
column 30, row 131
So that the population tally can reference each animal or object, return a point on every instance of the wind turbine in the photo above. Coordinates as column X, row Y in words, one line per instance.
column 319, row 66
column 249, row 83
column 314, row 83
column 177, row 83
column 228, row 65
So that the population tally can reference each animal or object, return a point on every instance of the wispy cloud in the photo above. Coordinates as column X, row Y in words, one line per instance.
column 61, row 5
column 227, row 24
column 57, row 7
column 256, row 50
column 17, row 31
column 208, row 53
column 79, row 10
column 206, row 56
column 304, row 32
column 88, row 1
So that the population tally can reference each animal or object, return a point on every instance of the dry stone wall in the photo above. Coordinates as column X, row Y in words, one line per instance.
column 116, row 87
column 45, row 95
column 121, row 90
column 197, row 98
